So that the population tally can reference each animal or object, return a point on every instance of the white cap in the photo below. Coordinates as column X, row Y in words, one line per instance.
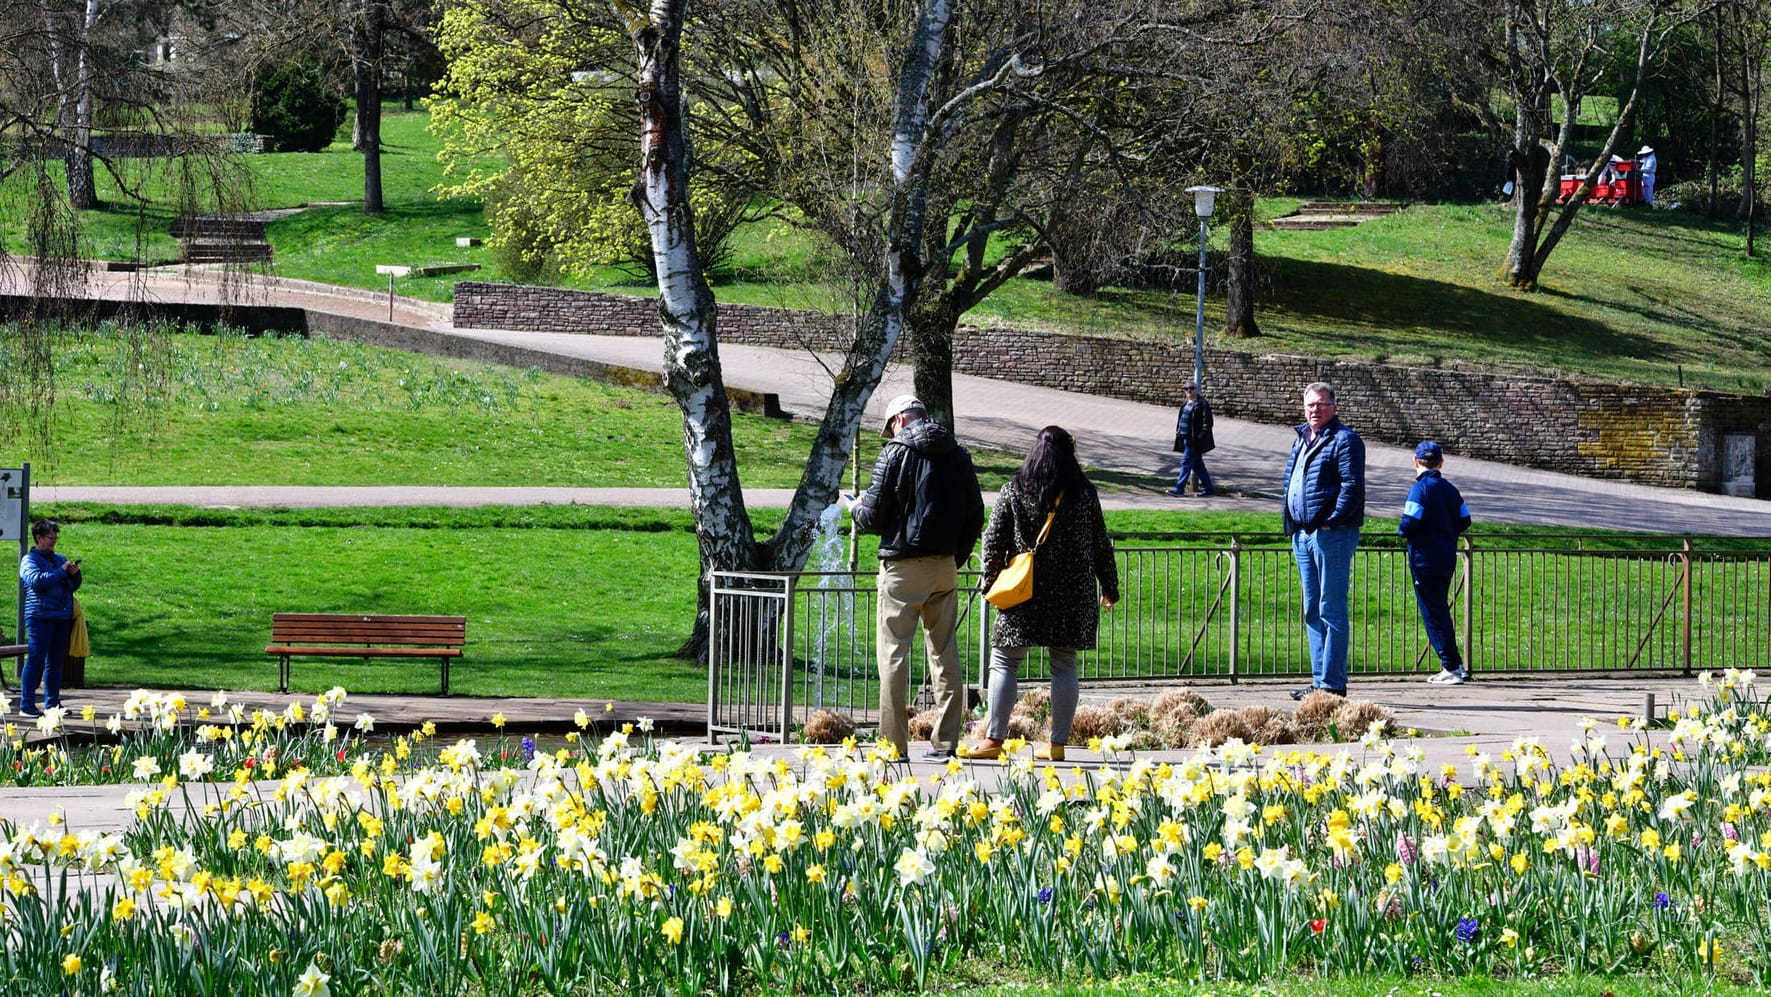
column 898, row 406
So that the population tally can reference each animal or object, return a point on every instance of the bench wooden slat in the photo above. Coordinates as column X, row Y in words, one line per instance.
column 382, row 617
column 309, row 650
column 347, row 626
column 365, row 635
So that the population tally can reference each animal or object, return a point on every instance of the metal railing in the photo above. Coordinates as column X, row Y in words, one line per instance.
column 786, row 645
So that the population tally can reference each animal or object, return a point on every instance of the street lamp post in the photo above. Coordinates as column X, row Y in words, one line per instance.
column 1204, row 202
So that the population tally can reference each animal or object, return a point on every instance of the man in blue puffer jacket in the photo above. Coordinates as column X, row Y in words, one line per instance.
column 49, row 582
column 1432, row 518
column 1324, row 508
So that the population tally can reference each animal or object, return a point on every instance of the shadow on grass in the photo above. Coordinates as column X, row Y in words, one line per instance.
column 1334, row 294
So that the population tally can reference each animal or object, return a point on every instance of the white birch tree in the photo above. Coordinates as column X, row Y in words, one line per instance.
column 689, row 314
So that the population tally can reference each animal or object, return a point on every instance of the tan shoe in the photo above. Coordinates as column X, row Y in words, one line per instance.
column 1050, row 753
column 981, row 752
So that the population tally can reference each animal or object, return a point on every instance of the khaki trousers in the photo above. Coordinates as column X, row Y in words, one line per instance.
column 912, row 589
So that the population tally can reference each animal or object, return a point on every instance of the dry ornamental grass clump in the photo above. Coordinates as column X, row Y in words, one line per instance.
column 1035, row 704
column 1092, row 722
column 1280, row 729
column 1180, row 718
column 1316, row 710
column 825, row 727
column 1217, row 727
column 1174, row 730
column 1354, row 719
column 1256, row 717
column 1180, row 703
column 923, row 724
column 1133, row 714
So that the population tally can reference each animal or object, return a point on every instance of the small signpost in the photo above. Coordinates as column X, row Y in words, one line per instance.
column 15, row 523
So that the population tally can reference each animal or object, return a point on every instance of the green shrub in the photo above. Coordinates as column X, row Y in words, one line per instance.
column 521, row 247
column 296, row 109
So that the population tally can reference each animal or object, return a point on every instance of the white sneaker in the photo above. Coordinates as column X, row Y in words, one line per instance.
column 1443, row 677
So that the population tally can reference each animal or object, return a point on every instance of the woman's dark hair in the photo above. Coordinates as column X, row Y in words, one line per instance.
column 1051, row 468
column 44, row 528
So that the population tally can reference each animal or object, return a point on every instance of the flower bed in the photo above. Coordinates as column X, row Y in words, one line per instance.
column 616, row 866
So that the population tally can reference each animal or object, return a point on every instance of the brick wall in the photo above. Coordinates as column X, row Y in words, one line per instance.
column 1659, row 436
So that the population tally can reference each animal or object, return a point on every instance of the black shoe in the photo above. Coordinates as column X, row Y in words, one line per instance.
column 1177, row 493
column 1301, row 693
column 937, row 755
column 1210, row 494
column 29, row 714
column 1338, row 692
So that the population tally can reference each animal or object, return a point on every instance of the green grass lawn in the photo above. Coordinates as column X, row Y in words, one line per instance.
column 1656, row 297
column 231, row 410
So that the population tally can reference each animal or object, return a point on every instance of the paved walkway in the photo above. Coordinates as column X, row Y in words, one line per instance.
column 1118, row 436
column 1483, row 716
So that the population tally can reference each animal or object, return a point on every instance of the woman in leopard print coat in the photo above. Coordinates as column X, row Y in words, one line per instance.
column 1063, row 614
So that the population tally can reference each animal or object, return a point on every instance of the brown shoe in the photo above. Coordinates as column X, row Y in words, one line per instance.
column 1050, row 753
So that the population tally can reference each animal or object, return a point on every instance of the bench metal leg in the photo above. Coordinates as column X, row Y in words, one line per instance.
column 445, row 662
column 283, row 674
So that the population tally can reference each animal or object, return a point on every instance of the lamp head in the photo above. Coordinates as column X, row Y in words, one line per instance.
column 1204, row 200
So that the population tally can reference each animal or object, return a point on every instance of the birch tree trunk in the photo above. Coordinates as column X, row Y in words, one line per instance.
column 73, row 74
column 689, row 314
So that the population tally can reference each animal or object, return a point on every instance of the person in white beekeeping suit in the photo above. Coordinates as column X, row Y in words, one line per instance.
column 1647, row 165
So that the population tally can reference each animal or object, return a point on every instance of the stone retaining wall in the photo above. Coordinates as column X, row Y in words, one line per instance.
column 1659, row 436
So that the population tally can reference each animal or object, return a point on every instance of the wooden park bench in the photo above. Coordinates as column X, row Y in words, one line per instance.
column 222, row 239
column 355, row 635
column 16, row 652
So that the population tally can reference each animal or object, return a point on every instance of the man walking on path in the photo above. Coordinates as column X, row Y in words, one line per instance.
column 1432, row 518
column 1324, row 508
column 1193, row 441
column 925, row 504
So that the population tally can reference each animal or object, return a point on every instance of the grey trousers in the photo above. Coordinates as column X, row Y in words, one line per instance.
column 1004, row 662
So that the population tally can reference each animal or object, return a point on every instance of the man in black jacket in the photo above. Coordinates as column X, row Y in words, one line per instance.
column 1193, row 440
column 925, row 504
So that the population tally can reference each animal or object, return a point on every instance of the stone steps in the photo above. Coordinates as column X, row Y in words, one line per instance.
column 227, row 252
column 1315, row 216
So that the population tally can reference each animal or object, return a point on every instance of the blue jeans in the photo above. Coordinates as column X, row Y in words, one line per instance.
column 1325, row 567
column 49, row 647
column 1193, row 463
column 1432, row 593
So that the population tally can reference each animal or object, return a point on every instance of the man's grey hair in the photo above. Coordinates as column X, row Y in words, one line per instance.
column 44, row 528
column 1322, row 388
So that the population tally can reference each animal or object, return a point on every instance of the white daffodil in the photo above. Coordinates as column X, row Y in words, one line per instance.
column 313, row 983
column 913, row 866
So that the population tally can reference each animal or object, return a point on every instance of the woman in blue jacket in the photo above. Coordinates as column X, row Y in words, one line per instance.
column 50, row 580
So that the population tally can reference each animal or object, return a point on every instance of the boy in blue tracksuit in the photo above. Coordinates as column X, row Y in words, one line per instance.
column 1432, row 518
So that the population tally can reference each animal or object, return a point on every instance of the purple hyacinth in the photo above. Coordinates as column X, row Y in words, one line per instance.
column 1467, row 930
column 1662, row 901
column 528, row 748
column 1045, row 894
